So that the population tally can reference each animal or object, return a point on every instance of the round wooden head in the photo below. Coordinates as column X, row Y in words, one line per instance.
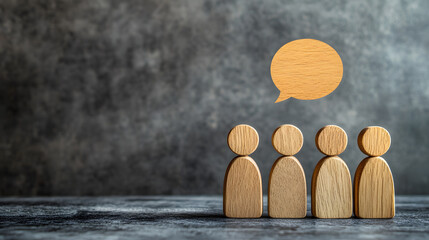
column 243, row 139
column 374, row 141
column 331, row 140
column 287, row 139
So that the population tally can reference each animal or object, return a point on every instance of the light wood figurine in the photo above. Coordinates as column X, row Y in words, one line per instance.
column 331, row 186
column 373, row 186
column 242, row 190
column 287, row 189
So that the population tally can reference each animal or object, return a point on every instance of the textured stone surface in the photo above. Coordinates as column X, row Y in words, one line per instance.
column 137, row 97
column 190, row 218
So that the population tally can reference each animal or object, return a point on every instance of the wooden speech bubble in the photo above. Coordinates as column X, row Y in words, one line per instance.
column 306, row 69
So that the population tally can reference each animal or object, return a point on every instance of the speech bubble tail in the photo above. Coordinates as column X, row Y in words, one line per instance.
column 283, row 96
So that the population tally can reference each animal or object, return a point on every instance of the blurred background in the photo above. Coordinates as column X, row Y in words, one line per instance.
column 137, row 97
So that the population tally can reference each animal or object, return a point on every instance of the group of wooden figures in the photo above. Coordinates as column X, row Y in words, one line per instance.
column 331, row 185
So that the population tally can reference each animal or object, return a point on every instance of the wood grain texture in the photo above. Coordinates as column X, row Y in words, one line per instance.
column 331, row 189
column 306, row 69
column 287, row 189
column 331, row 140
column 374, row 189
column 374, row 141
column 287, row 139
column 243, row 139
column 242, row 192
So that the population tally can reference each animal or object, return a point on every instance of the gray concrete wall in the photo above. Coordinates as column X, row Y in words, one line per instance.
column 137, row 97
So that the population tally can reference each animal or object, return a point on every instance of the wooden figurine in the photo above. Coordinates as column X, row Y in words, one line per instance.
column 331, row 186
column 373, row 186
column 242, row 191
column 306, row 69
column 287, row 189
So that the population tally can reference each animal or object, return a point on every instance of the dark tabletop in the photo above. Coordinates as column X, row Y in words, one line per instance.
column 190, row 217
